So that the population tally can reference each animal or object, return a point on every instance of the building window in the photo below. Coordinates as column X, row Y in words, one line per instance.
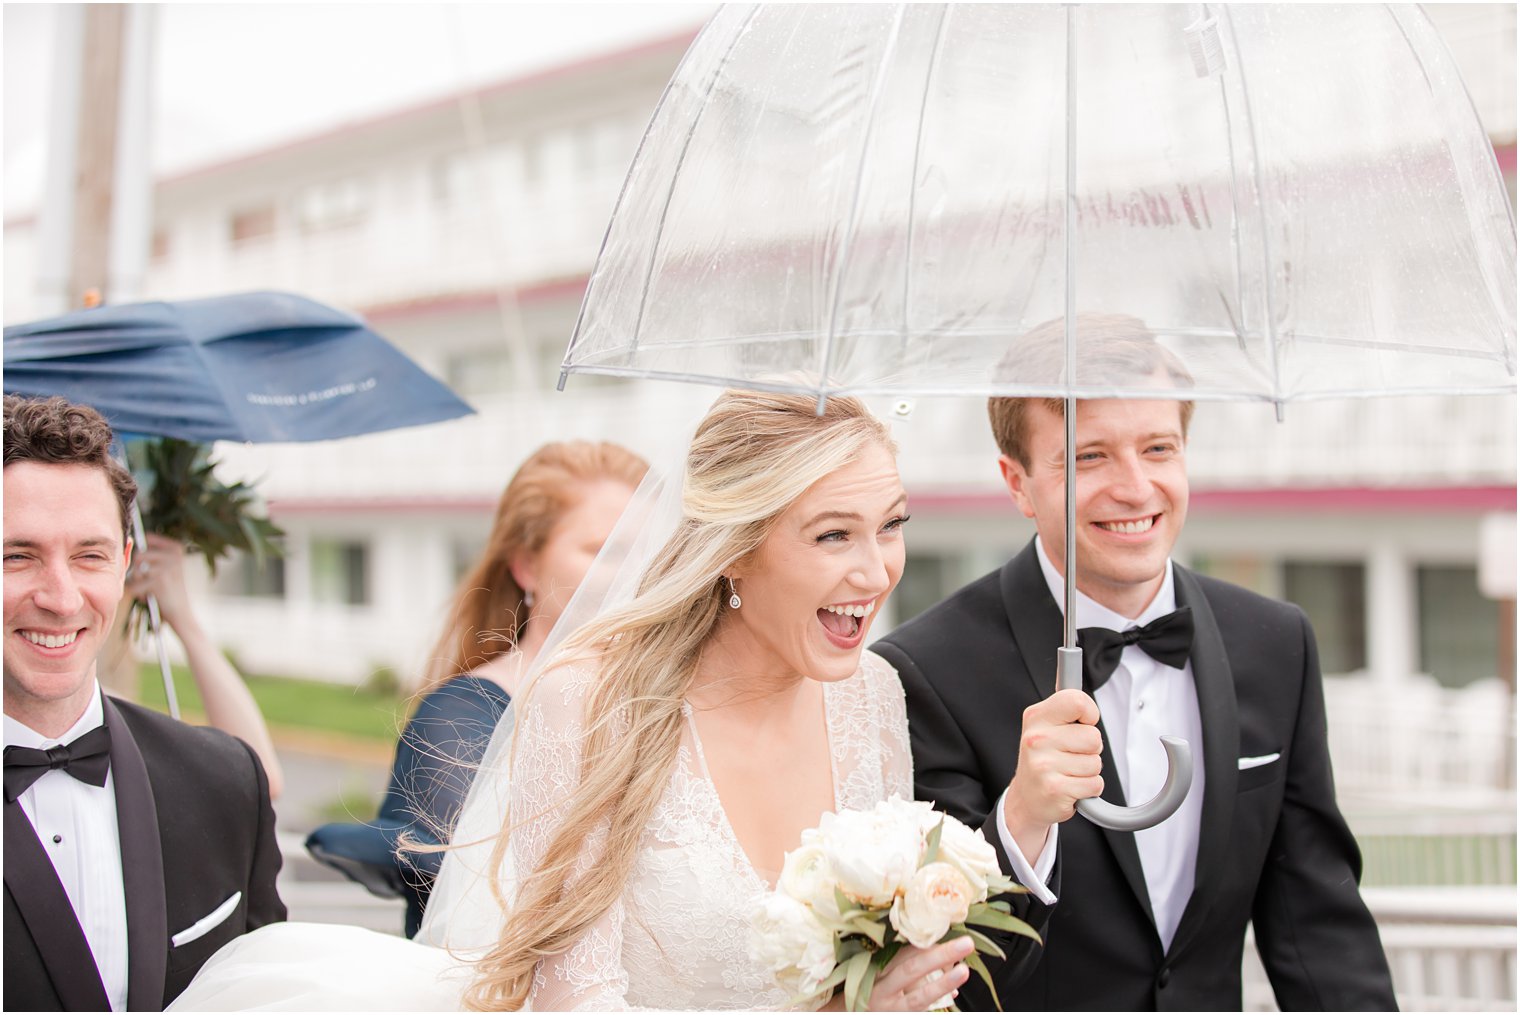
column 1334, row 595
column 449, row 176
column 1459, row 628
column 603, row 145
column 479, row 372
column 336, row 204
column 340, row 572
column 1258, row 574
column 245, row 576
column 927, row 578
column 252, row 224
column 464, row 553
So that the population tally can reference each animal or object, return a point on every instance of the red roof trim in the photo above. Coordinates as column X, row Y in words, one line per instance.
column 678, row 40
column 480, row 299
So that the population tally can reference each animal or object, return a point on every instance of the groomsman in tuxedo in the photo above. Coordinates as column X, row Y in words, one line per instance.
column 135, row 845
column 1155, row 919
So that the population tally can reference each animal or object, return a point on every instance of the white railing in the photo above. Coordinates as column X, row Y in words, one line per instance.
column 1449, row 949
column 1421, row 743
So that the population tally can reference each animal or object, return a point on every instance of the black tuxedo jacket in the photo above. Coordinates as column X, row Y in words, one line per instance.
column 1273, row 847
column 196, row 828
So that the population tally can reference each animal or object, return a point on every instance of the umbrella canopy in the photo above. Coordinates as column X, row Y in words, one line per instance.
column 263, row 367
column 1299, row 200
column 873, row 199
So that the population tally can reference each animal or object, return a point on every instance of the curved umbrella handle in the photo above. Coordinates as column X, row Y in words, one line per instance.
column 1179, row 774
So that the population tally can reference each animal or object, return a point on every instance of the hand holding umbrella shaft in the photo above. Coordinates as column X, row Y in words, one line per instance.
column 1060, row 762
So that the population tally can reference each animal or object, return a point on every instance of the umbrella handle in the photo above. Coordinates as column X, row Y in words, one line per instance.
column 1179, row 769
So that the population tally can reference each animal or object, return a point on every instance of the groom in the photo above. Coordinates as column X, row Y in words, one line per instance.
column 1155, row 919
column 135, row 845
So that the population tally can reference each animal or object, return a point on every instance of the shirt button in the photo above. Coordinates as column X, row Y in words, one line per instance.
column 1140, row 707
column 57, row 838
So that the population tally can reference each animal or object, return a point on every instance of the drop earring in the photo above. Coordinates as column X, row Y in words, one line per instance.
column 528, row 598
column 734, row 602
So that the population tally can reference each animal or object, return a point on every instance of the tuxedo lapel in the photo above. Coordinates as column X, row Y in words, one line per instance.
column 1037, row 626
column 1034, row 618
column 44, row 905
column 1221, row 747
column 142, row 867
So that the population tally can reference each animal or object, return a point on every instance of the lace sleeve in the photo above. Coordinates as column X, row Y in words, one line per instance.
column 892, row 721
column 590, row 975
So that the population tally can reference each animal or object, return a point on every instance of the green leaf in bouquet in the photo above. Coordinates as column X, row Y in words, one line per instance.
column 855, row 971
column 1001, row 884
column 846, row 948
column 867, row 981
column 870, row 927
column 987, row 915
column 931, row 847
column 975, row 963
column 847, row 908
column 984, row 944
column 825, row 988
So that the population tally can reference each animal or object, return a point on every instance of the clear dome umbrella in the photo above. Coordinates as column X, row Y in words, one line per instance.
column 1299, row 200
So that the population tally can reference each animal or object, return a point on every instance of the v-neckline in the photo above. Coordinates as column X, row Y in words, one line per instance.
column 750, row 866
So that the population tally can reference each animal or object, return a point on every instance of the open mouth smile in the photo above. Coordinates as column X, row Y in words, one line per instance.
column 844, row 623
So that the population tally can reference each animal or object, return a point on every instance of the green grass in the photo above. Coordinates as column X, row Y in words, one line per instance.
column 288, row 701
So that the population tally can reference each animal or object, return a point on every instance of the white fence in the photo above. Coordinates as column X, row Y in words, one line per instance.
column 1419, row 744
column 1449, row 949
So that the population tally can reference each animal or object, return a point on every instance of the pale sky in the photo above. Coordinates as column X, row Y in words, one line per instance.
column 231, row 78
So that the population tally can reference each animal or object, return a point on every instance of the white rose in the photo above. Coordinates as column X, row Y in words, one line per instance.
column 910, row 812
column 873, row 854
column 791, row 942
column 806, row 877
column 938, row 896
column 968, row 851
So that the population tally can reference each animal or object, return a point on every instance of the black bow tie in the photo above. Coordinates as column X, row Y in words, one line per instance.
column 87, row 758
column 1166, row 639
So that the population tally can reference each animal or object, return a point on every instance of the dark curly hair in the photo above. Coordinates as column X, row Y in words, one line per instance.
column 55, row 431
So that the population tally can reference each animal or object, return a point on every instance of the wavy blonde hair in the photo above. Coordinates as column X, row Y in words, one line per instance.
column 753, row 455
column 486, row 615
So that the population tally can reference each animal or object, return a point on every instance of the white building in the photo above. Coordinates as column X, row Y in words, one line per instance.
column 470, row 249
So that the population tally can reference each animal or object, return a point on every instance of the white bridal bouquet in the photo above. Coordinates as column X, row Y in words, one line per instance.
column 864, row 883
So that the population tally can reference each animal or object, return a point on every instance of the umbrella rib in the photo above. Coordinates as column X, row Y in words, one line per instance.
column 1439, row 44
column 918, row 147
column 1270, row 308
column 670, row 192
column 826, row 354
column 955, row 390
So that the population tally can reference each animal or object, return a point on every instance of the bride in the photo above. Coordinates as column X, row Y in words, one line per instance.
column 670, row 751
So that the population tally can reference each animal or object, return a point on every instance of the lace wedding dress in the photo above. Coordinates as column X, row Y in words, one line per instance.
column 678, row 939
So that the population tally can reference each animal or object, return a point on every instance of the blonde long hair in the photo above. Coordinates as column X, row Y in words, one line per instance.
column 486, row 615
column 753, row 455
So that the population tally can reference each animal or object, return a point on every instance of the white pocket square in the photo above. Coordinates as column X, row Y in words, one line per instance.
column 200, row 928
column 1259, row 760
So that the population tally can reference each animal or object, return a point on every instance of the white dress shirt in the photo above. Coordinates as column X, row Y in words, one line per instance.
column 1143, row 701
column 76, row 824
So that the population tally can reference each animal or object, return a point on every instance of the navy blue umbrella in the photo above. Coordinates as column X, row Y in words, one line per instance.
column 263, row 367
